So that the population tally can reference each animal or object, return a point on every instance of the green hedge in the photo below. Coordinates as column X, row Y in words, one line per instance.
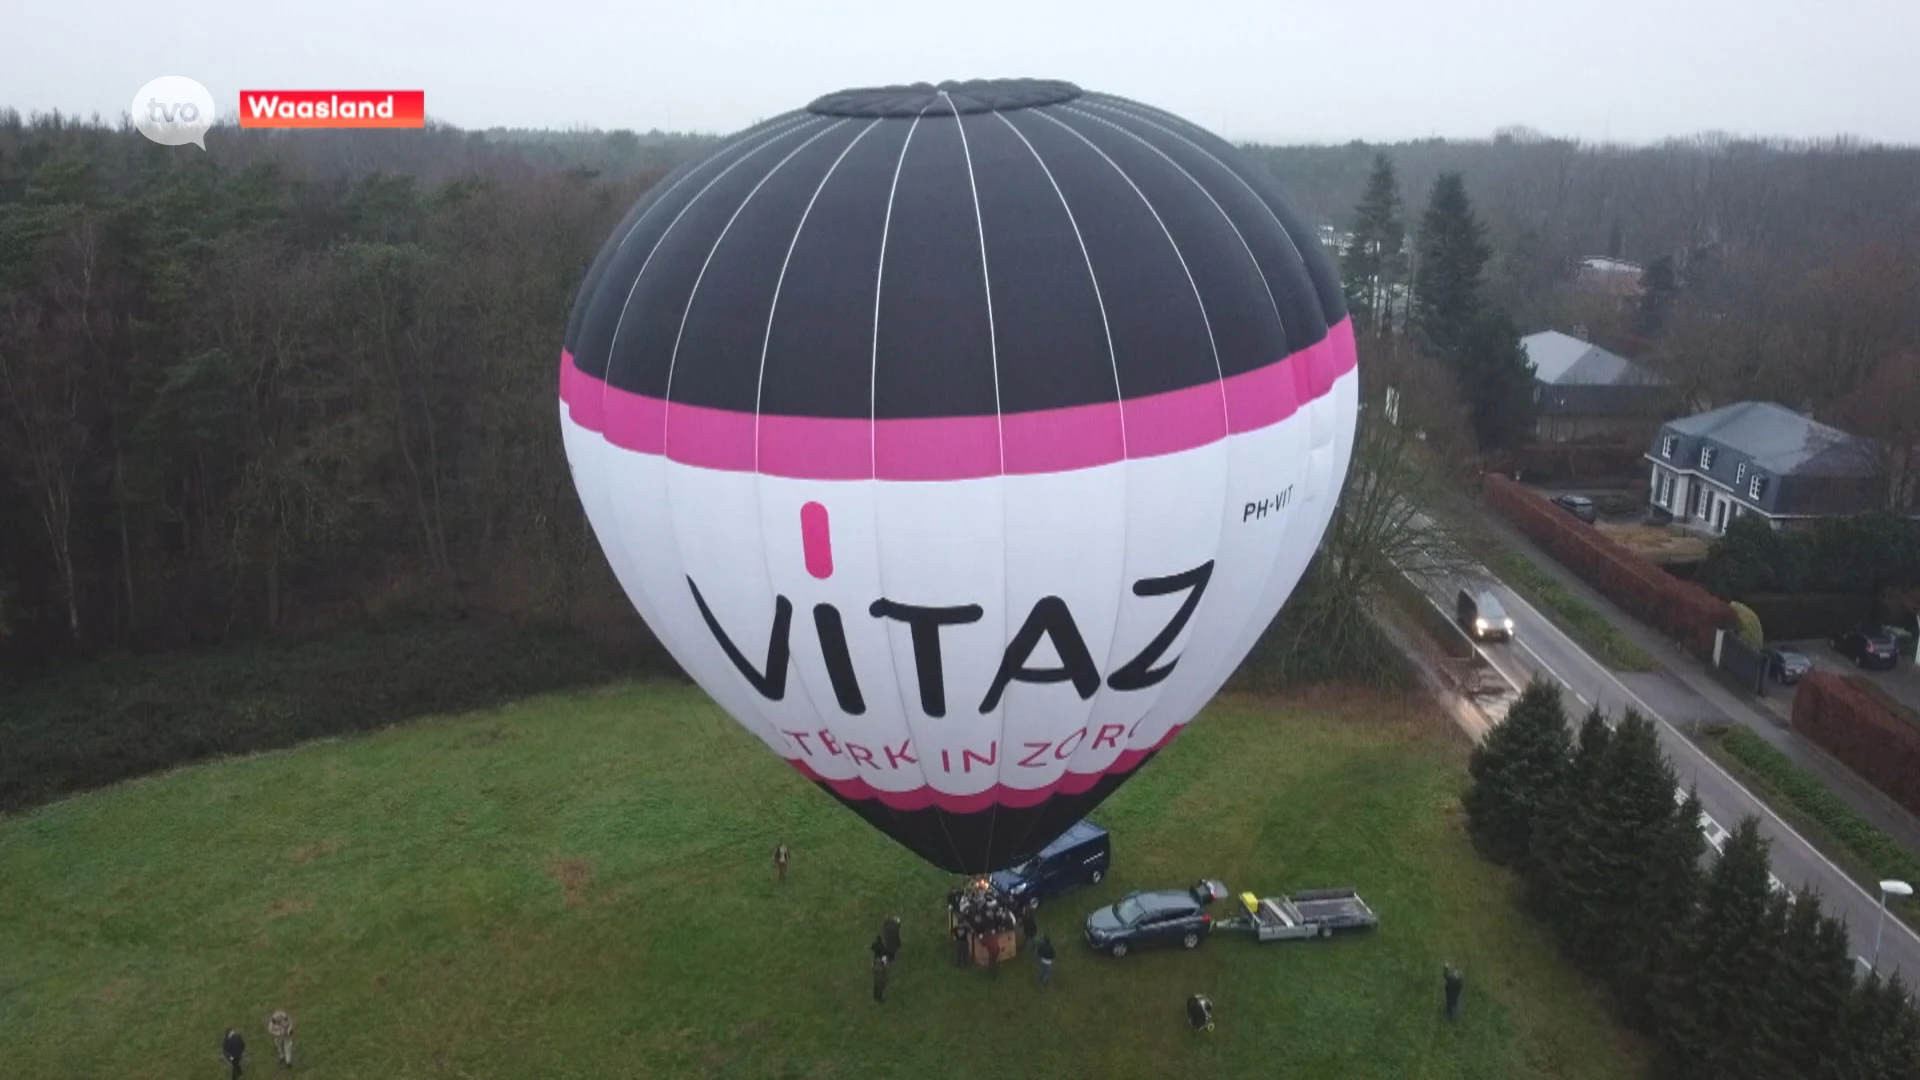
column 1881, row 854
column 113, row 719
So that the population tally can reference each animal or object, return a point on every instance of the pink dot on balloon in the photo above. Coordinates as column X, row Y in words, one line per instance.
column 816, row 540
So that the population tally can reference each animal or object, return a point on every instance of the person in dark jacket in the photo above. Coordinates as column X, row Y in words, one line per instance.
column 1200, row 1012
column 1029, row 921
column 890, row 935
column 962, row 946
column 879, row 977
column 1044, row 953
column 233, row 1047
column 1454, row 983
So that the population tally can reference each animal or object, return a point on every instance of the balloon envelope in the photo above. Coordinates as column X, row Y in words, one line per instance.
column 960, row 441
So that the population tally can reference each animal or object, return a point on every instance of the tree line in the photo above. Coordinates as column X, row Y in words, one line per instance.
column 1729, row 977
column 304, row 379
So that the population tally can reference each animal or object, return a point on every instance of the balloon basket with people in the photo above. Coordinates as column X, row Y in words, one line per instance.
column 983, row 921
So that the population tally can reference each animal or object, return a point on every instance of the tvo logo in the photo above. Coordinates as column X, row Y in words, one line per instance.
column 173, row 110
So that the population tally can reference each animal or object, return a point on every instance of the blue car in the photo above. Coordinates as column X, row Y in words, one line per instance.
column 1079, row 857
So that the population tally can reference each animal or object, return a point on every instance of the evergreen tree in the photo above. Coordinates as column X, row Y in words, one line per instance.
column 1811, row 988
column 1653, row 956
column 1879, row 1037
column 1515, row 773
column 1713, row 1026
column 1453, row 254
column 1480, row 346
column 1620, row 845
column 1497, row 380
column 1375, row 262
column 1659, row 288
column 1556, row 818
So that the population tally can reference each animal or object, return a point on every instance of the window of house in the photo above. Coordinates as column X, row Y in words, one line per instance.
column 1706, row 457
column 1740, row 475
column 1667, row 444
column 1754, row 489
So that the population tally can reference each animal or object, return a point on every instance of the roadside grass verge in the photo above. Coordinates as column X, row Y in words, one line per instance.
column 1572, row 614
column 1868, row 855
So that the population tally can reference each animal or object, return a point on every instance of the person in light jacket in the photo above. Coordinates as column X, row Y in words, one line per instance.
column 280, row 1026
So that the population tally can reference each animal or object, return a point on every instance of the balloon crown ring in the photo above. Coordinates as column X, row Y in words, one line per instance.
column 950, row 97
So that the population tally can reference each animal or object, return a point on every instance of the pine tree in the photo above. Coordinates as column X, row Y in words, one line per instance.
column 1375, row 262
column 1653, row 957
column 1550, row 834
column 1453, row 254
column 1497, row 380
column 1479, row 345
column 1619, row 847
column 1515, row 773
column 1713, row 1025
column 1879, row 1037
column 1811, row 988
column 1659, row 287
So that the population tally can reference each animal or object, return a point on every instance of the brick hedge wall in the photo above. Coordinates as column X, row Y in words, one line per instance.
column 1683, row 611
column 1863, row 732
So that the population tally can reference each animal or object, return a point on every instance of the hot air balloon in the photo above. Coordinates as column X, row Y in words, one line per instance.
column 960, row 440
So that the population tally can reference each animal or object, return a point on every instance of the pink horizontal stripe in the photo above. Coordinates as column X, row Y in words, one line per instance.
column 959, row 447
column 1070, row 783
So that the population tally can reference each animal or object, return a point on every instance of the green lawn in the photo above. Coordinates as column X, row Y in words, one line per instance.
column 578, row 886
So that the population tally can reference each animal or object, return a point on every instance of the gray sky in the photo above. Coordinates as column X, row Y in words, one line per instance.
column 1268, row 69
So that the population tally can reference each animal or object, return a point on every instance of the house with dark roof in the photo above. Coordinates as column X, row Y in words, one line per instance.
column 1756, row 457
column 1582, row 391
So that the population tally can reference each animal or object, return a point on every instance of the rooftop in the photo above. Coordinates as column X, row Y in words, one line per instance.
column 1778, row 439
column 1561, row 360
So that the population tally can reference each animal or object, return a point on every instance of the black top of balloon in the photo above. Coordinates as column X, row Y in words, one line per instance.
column 951, row 97
column 961, row 249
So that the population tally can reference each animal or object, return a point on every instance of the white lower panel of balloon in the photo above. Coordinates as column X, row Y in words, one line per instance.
column 960, row 643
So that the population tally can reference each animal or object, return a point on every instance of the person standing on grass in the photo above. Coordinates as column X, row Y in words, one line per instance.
column 233, row 1048
column 890, row 936
column 1455, row 983
column 280, row 1026
column 781, row 856
column 1044, row 953
column 961, row 946
column 879, row 977
column 1029, row 922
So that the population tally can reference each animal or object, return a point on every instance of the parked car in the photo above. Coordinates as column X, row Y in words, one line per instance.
column 1868, row 647
column 1578, row 505
column 1785, row 666
column 1481, row 616
column 1079, row 857
column 1141, row 920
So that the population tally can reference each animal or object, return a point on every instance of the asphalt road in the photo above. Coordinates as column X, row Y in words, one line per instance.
column 1540, row 647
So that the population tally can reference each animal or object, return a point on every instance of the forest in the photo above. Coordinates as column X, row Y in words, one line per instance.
column 306, row 380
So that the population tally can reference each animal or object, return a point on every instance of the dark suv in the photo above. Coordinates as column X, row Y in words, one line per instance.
column 1079, row 857
column 1142, row 920
column 1868, row 647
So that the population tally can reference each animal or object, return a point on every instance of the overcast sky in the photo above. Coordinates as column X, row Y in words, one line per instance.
column 1627, row 70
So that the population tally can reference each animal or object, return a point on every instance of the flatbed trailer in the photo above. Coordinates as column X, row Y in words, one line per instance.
column 1313, row 913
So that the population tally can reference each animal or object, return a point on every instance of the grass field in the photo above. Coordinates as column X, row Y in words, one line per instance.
column 578, row 886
